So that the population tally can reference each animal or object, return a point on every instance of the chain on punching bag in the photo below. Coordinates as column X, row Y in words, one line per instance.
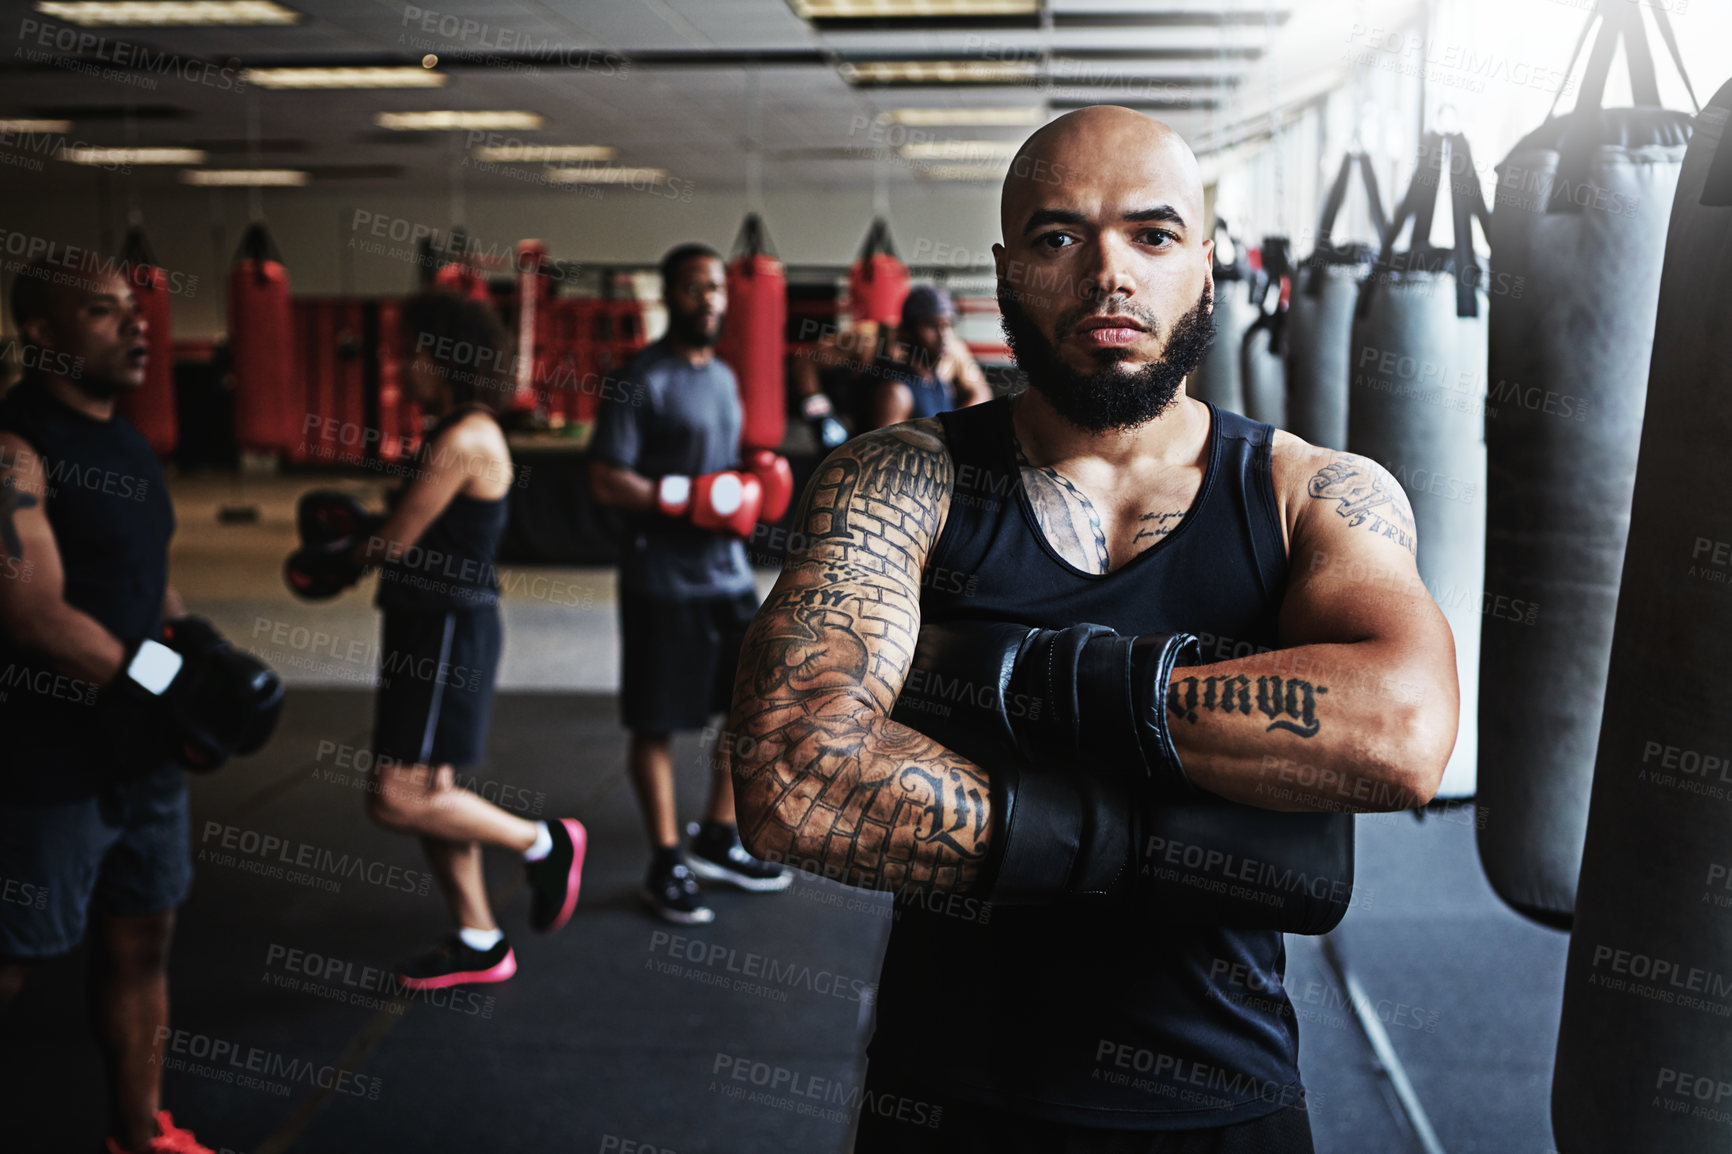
column 1577, row 241
column 1416, row 403
column 1219, row 378
column 1261, row 368
column 1644, row 1061
column 754, row 336
column 1319, row 327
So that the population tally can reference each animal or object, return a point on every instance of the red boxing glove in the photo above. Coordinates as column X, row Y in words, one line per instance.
column 723, row 502
column 774, row 473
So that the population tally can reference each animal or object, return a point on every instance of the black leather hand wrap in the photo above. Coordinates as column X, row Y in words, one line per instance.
column 1089, row 801
column 1103, row 700
column 1056, row 834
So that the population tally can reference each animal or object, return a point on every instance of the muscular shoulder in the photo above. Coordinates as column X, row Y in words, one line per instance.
column 881, row 498
column 1338, row 489
column 19, row 463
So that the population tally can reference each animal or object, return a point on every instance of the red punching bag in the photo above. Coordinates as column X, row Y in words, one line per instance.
column 150, row 407
column 754, row 336
column 454, row 272
column 878, row 281
column 261, row 347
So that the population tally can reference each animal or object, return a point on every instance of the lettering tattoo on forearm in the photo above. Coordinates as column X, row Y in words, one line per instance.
column 1289, row 704
column 1367, row 495
column 830, row 777
column 12, row 499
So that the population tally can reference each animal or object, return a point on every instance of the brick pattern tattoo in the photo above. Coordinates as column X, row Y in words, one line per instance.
column 825, row 781
column 1365, row 494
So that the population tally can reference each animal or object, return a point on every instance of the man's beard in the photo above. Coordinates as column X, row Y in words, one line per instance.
column 1108, row 398
column 693, row 334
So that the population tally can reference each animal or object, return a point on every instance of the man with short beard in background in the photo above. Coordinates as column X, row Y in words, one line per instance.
column 1023, row 584
column 665, row 452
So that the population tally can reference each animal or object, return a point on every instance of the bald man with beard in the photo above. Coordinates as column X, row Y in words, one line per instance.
column 1023, row 584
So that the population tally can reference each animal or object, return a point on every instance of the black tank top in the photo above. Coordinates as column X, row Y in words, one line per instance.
column 1078, row 1016
column 112, row 520
column 452, row 565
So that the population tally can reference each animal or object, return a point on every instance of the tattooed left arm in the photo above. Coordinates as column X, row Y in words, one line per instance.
column 824, row 780
column 1359, row 710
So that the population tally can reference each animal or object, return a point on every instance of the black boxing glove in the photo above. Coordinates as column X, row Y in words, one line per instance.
column 325, row 515
column 1084, row 784
column 320, row 572
column 193, row 696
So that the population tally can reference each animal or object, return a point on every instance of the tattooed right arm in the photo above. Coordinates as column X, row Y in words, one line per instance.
column 823, row 779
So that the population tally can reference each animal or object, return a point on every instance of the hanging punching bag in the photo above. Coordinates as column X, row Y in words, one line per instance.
column 1320, row 315
column 1218, row 378
column 150, row 407
column 878, row 281
column 1644, row 1061
column 456, row 274
column 1578, row 238
column 1416, row 404
column 261, row 347
column 754, row 335
column 1261, row 369
column 533, row 365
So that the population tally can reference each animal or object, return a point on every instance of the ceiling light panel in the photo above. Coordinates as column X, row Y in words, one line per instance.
column 329, row 78
column 245, row 177
column 168, row 13
column 446, row 120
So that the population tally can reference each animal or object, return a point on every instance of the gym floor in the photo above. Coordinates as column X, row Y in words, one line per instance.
column 621, row 1029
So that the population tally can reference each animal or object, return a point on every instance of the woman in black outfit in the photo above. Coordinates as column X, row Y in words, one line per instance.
column 440, row 645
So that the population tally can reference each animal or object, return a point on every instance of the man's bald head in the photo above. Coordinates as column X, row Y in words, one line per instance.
column 1094, row 146
column 1104, row 281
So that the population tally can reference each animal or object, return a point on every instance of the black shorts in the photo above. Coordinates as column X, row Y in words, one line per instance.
column 902, row 1117
column 124, row 852
column 678, row 657
column 436, row 675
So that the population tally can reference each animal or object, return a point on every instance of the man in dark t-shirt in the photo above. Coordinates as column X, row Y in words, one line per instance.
column 663, row 451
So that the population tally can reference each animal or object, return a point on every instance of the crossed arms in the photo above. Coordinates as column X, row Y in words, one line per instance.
column 826, row 781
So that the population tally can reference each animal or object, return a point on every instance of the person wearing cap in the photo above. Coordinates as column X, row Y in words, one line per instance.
column 935, row 375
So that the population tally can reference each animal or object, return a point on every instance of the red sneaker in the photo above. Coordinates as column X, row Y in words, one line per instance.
column 453, row 963
column 170, row 1139
column 556, row 878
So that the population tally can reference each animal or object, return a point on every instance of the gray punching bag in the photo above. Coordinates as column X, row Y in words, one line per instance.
column 1320, row 316
column 1261, row 352
column 1416, row 404
column 1217, row 378
column 1645, row 1045
column 1578, row 237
